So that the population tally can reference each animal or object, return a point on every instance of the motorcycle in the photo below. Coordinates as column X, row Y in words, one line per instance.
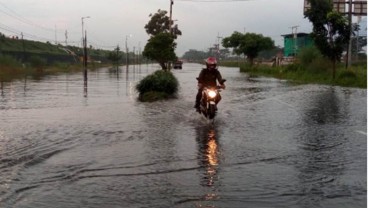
column 208, row 105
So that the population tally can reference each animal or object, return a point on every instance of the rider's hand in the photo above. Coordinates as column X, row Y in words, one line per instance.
column 223, row 86
column 199, row 85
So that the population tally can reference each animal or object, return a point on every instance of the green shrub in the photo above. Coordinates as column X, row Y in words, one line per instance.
column 292, row 67
column 9, row 61
column 160, row 81
column 350, row 78
column 37, row 62
column 319, row 65
column 153, row 96
column 347, row 74
column 307, row 55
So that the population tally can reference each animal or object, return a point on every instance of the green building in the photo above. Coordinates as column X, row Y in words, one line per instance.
column 294, row 42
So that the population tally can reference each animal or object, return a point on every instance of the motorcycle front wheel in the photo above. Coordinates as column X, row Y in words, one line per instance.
column 211, row 111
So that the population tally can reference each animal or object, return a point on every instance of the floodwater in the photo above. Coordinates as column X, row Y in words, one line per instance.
column 273, row 144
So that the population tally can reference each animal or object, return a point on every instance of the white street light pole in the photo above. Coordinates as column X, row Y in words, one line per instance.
column 83, row 26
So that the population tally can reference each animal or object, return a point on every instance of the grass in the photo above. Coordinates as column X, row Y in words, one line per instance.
column 318, row 72
column 11, row 69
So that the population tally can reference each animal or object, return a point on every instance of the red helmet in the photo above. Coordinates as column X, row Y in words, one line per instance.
column 211, row 62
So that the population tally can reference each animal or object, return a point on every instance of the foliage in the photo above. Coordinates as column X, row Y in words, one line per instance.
column 152, row 96
column 269, row 53
column 198, row 56
column 16, row 44
column 161, row 48
column 296, row 73
column 358, row 42
column 19, row 48
column 9, row 62
column 115, row 56
column 331, row 32
column 249, row 44
column 308, row 54
column 160, row 84
column 37, row 62
column 311, row 59
column 160, row 23
column 194, row 55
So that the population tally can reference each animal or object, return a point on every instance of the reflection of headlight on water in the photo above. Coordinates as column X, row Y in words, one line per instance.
column 212, row 153
column 211, row 93
column 211, row 196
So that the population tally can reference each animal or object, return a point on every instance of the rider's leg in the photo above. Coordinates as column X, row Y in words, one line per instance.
column 198, row 99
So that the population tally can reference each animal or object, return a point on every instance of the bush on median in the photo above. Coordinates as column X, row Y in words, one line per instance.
column 157, row 86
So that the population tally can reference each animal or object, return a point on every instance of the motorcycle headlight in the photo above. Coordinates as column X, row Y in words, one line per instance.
column 212, row 94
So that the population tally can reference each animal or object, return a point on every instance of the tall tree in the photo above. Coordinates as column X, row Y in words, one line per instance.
column 160, row 23
column 249, row 44
column 331, row 31
column 161, row 46
column 115, row 56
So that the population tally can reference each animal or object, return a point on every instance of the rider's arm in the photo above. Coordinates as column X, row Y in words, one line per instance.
column 220, row 80
column 200, row 78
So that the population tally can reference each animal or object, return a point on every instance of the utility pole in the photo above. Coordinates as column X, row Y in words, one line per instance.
column 294, row 32
column 24, row 49
column 117, row 57
column 171, row 22
column 55, row 36
column 134, row 55
column 139, row 53
column 170, row 29
column 85, row 57
column 84, row 41
column 66, row 38
column 348, row 52
column 357, row 38
column 126, row 51
column 218, row 46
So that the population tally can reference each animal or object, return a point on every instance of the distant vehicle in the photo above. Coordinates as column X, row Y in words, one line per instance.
column 178, row 64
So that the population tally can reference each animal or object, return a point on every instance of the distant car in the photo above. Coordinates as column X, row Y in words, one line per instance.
column 178, row 64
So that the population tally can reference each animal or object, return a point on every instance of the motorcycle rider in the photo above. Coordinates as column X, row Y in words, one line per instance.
column 207, row 78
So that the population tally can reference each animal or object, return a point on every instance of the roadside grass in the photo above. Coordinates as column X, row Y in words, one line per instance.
column 318, row 72
column 12, row 69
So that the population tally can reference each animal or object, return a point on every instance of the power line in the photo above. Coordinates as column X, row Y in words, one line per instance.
column 17, row 32
column 23, row 20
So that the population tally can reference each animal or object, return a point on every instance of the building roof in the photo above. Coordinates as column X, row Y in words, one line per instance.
column 298, row 35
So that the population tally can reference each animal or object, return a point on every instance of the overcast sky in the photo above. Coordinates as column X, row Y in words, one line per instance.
column 112, row 21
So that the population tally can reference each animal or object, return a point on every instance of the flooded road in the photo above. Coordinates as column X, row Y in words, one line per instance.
column 273, row 144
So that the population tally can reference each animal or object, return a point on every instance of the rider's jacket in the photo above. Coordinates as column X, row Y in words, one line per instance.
column 208, row 77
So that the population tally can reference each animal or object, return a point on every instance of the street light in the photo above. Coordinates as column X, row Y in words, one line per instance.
column 83, row 25
column 83, row 39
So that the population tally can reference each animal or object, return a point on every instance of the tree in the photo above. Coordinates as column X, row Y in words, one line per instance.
column 331, row 31
column 161, row 46
column 115, row 56
column 249, row 44
column 160, row 23
column 194, row 55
